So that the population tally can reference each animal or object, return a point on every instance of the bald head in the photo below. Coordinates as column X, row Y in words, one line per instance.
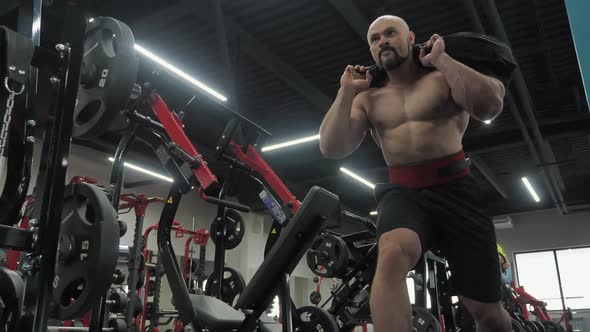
column 389, row 20
column 390, row 41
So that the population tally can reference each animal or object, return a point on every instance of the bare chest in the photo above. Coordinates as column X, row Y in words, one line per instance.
column 427, row 100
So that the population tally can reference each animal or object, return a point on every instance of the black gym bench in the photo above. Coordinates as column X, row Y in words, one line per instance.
column 318, row 206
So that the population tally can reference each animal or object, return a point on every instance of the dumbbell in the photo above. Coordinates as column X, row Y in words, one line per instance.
column 122, row 227
column 115, row 325
column 118, row 301
column 119, row 277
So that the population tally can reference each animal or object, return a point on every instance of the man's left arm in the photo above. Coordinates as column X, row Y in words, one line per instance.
column 480, row 95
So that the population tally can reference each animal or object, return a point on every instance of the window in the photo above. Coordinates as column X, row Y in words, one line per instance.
column 538, row 273
column 574, row 271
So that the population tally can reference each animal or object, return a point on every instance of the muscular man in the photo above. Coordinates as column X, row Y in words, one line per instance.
column 418, row 118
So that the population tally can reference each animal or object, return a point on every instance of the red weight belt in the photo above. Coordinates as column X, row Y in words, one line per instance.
column 430, row 173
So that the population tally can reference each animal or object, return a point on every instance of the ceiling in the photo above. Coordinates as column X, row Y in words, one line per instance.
column 279, row 63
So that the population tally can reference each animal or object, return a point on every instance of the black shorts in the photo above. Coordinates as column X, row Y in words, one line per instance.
column 450, row 218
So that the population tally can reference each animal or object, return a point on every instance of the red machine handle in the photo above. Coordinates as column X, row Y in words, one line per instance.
column 253, row 160
column 175, row 130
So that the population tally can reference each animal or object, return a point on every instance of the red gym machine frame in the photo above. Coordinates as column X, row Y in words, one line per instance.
column 174, row 128
column 520, row 296
column 251, row 158
column 200, row 238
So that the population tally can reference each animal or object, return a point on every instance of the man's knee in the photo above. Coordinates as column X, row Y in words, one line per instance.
column 399, row 251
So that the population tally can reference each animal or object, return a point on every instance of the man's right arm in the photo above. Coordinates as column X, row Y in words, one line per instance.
column 344, row 126
column 346, row 123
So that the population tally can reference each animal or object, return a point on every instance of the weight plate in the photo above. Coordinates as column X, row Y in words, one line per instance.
column 119, row 299
column 87, row 251
column 424, row 321
column 551, row 326
column 119, row 277
column 234, row 229
column 233, row 285
column 530, row 326
column 122, row 228
column 108, row 73
column 315, row 297
column 328, row 256
column 517, row 326
column 316, row 319
column 539, row 326
column 118, row 325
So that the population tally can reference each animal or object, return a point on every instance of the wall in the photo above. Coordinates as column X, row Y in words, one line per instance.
column 547, row 230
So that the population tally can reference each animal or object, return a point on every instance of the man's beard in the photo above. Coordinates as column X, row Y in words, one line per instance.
column 392, row 62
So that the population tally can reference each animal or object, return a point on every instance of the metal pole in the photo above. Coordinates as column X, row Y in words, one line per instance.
column 219, row 261
column 559, row 282
column 190, row 263
column 61, row 134
column 285, row 298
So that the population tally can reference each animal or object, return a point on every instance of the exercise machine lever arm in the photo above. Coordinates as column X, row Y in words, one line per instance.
column 221, row 202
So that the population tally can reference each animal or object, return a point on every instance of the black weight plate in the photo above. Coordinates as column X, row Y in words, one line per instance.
column 122, row 228
column 551, row 326
column 233, row 285
column 424, row 321
column 315, row 297
column 120, row 301
column 517, row 326
column 109, row 71
column 119, row 277
column 328, row 256
column 88, row 250
column 118, row 325
column 530, row 326
column 316, row 319
column 539, row 326
column 234, row 229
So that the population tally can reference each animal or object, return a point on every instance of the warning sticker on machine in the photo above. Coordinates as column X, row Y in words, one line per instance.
column 274, row 206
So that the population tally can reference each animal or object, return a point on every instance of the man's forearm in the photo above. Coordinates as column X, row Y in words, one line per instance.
column 480, row 95
column 336, row 122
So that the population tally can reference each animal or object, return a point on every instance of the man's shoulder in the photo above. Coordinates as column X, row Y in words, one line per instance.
column 434, row 75
column 363, row 97
column 369, row 93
